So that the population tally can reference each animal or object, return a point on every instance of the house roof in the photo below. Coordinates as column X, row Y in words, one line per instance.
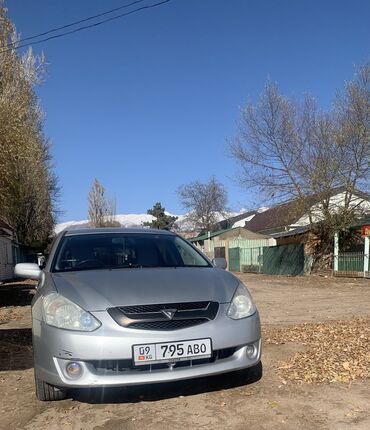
column 288, row 213
column 243, row 233
column 294, row 232
column 6, row 229
column 229, row 222
column 304, row 229
column 231, row 232
column 207, row 236
column 275, row 217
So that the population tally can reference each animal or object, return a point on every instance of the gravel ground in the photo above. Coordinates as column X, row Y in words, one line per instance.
column 308, row 322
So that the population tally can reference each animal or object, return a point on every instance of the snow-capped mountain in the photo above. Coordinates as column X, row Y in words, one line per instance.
column 126, row 220
column 137, row 220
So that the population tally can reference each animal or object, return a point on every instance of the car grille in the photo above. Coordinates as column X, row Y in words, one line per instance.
column 105, row 367
column 167, row 316
column 186, row 306
column 168, row 325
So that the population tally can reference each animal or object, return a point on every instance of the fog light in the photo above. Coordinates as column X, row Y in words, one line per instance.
column 251, row 351
column 73, row 369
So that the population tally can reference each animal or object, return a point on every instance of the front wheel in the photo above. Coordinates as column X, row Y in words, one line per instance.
column 47, row 392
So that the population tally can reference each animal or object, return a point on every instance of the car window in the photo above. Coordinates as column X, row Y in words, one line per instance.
column 188, row 256
column 98, row 251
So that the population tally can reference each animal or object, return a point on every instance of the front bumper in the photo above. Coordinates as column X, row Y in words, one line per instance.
column 54, row 348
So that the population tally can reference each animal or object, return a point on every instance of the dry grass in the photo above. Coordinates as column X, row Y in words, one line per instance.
column 11, row 313
column 335, row 351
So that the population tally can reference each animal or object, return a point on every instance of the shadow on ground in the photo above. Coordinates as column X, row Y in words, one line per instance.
column 16, row 294
column 16, row 349
column 155, row 392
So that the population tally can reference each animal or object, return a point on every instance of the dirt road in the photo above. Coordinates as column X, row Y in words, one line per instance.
column 217, row 403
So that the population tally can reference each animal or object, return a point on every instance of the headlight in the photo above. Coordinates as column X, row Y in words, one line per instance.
column 242, row 305
column 62, row 313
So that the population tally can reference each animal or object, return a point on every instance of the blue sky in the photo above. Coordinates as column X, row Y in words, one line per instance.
column 145, row 103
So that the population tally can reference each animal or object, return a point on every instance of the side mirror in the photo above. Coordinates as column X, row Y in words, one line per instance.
column 220, row 262
column 28, row 270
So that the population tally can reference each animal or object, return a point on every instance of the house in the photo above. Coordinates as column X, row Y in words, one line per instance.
column 209, row 241
column 7, row 240
column 283, row 242
column 286, row 217
column 241, row 248
column 289, row 224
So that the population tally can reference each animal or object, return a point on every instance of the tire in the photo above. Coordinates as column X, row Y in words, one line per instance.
column 46, row 392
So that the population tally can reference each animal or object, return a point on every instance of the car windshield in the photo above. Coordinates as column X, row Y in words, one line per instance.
column 128, row 250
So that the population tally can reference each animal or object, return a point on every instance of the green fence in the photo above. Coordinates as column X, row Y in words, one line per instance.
column 251, row 260
column 234, row 259
column 272, row 260
column 246, row 259
column 350, row 264
column 283, row 260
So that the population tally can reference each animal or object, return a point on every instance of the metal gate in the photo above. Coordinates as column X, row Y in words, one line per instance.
column 283, row 260
column 251, row 259
column 351, row 264
column 234, row 259
column 220, row 252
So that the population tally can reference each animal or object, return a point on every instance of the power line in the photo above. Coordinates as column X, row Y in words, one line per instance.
column 86, row 26
column 53, row 30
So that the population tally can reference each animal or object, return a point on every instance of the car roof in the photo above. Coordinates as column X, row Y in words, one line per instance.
column 114, row 230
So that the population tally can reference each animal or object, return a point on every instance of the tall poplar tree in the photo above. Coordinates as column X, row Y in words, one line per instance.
column 28, row 185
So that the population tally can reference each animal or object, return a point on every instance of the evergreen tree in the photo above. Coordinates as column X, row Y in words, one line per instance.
column 162, row 221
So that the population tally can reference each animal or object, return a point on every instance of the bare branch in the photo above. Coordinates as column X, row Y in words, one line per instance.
column 204, row 202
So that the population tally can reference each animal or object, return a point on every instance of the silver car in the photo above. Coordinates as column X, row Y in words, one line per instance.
column 118, row 307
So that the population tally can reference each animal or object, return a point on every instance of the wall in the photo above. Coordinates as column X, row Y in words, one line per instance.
column 308, row 239
column 238, row 243
column 6, row 259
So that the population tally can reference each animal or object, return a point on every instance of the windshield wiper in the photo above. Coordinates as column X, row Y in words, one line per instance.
column 126, row 266
column 79, row 269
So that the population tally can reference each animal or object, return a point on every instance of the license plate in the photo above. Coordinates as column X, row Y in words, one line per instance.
column 169, row 352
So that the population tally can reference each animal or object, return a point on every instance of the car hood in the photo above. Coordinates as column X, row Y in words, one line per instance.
column 96, row 290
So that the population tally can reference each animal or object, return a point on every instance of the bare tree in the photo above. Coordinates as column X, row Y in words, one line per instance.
column 205, row 202
column 352, row 123
column 28, row 186
column 102, row 209
column 289, row 150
